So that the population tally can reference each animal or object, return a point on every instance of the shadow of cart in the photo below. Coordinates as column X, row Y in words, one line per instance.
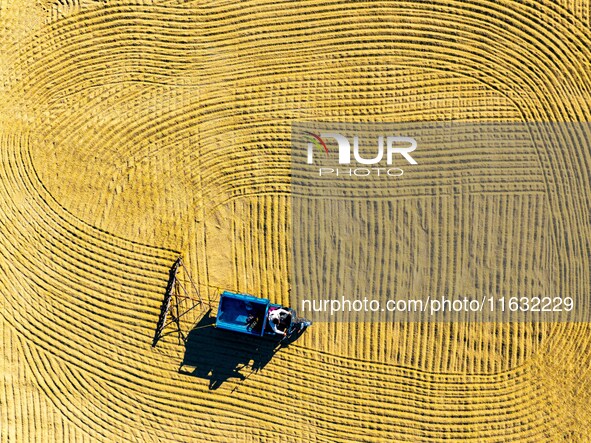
column 218, row 355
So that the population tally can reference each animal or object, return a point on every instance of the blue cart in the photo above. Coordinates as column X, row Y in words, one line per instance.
column 248, row 314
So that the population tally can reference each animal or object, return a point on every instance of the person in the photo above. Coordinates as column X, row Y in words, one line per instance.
column 277, row 317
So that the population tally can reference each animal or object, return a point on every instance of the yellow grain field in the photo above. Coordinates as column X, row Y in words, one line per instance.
column 133, row 131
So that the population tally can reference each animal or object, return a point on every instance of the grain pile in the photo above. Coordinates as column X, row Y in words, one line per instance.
column 132, row 132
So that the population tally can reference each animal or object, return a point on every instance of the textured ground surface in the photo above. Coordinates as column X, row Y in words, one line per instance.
column 132, row 132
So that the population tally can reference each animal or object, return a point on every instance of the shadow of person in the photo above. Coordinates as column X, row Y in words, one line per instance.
column 218, row 355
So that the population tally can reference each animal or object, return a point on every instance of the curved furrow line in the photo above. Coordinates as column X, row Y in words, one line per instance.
column 60, row 127
column 57, row 392
column 74, row 49
column 123, row 407
column 241, row 185
column 79, row 229
column 243, row 188
column 67, row 128
column 24, row 408
column 79, row 261
column 484, row 24
column 82, row 301
column 90, row 390
column 84, row 310
column 70, row 281
column 97, row 237
column 480, row 12
column 213, row 155
column 421, row 405
column 86, row 368
column 489, row 385
column 80, row 314
column 24, row 179
column 298, row 395
column 174, row 126
column 145, row 128
column 566, row 345
column 140, row 133
column 171, row 21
